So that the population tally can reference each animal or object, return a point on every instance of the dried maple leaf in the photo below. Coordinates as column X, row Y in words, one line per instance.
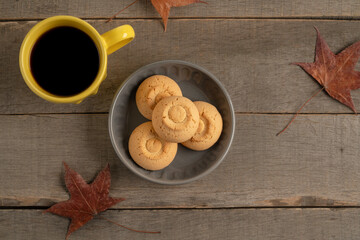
column 334, row 72
column 86, row 200
column 163, row 7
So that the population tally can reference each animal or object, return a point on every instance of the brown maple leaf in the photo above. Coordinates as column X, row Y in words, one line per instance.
column 87, row 200
column 334, row 72
column 163, row 7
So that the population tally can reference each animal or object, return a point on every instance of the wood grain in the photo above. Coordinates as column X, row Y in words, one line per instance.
column 315, row 163
column 250, row 57
column 250, row 224
column 31, row 9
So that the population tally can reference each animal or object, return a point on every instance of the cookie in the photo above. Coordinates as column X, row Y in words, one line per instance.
column 148, row 150
column 175, row 119
column 209, row 130
column 152, row 90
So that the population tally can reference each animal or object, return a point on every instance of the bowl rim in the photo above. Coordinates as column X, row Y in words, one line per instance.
column 172, row 182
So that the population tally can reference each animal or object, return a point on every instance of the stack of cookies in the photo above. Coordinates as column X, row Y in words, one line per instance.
column 174, row 119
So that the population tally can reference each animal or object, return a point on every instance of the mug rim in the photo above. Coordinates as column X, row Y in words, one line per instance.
column 32, row 37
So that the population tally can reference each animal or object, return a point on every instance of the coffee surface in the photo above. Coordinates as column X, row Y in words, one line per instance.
column 64, row 61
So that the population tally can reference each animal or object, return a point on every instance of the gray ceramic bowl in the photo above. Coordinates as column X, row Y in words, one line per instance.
column 196, row 84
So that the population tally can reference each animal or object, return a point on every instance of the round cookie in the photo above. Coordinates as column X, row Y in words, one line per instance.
column 148, row 150
column 175, row 119
column 209, row 130
column 152, row 90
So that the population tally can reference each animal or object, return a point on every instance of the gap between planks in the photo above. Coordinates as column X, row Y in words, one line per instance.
column 237, row 113
column 286, row 18
column 2, row 208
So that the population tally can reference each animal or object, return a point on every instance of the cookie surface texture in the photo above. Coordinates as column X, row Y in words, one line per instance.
column 175, row 119
column 148, row 150
column 152, row 90
column 209, row 130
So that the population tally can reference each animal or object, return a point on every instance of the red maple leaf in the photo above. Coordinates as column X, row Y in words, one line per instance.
column 87, row 200
column 163, row 7
column 334, row 72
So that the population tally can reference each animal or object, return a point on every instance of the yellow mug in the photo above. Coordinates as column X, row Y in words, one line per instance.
column 106, row 44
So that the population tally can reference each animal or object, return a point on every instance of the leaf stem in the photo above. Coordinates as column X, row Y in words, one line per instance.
column 111, row 18
column 134, row 230
column 297, row 113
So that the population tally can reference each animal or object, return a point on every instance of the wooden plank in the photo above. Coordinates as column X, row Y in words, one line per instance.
column 144, row 9
column 315, row 163
column 251, row 58
column 251, row 224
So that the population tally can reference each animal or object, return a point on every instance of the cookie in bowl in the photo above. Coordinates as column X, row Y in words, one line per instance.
column 148, row 150
column 209, row 130
column 152, row 90
column 175, row 119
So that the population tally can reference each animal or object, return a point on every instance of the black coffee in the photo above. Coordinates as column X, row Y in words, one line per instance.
column 64, row 61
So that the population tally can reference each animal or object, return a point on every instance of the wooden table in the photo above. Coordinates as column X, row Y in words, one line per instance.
column 304, row 184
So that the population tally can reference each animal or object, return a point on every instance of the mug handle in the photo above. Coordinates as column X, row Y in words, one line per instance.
column 118, row 37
